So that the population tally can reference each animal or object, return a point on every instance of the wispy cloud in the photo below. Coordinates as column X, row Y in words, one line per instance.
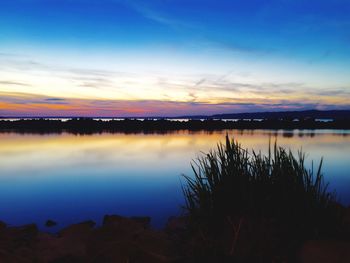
column 59, row 100
column 6, row 83
column 21, row 104
column 18, row 98
column 333, row 92
column 151, row 93
column 147, row 10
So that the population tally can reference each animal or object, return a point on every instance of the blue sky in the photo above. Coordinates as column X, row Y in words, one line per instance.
column 173, row 57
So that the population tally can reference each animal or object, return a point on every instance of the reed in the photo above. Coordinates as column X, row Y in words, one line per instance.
column 234, row 188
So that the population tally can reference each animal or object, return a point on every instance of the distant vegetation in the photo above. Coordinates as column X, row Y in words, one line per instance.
column 88, row 125
column 251, row 207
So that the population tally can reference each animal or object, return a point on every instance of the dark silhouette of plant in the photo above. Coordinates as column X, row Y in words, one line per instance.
column 239, row 201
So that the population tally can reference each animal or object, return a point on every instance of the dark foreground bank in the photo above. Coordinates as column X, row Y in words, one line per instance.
column 121, row 239
column 87, row 125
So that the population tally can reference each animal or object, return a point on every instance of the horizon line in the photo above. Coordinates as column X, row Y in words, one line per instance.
column 174, row 117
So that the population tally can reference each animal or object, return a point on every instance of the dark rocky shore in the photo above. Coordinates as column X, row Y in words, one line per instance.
column 121, row 239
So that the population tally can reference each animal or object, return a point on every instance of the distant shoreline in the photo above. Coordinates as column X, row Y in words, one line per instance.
column 276, row 115
column 88, row 125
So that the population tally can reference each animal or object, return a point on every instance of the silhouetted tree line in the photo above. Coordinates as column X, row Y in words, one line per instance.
column 89, row 125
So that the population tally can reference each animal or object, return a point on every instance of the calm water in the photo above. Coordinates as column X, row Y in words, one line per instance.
column 71, row 178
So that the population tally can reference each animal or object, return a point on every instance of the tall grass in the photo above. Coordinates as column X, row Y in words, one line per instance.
column 234, row 187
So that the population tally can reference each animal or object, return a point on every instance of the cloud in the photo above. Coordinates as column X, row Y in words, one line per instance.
column 96, row 83
column 148, row 11
column 19, row 98
column 233, row 46
column 93, row 72
column 5, row 82
column 194, row 90
column 333, row 92
column 55, row 99
column 221, row 84
column 8, row 55
column 199, row 82
column 193, row 96
column 22, row 104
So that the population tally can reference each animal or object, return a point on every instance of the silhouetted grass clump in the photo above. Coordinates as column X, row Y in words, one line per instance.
column 250, row 205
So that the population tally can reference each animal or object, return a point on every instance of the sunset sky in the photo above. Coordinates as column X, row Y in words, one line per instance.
column 172, row 57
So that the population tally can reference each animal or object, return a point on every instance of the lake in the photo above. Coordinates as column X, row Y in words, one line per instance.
column 71, row 178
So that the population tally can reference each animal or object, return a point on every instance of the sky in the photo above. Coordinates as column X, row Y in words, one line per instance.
column 172, row 57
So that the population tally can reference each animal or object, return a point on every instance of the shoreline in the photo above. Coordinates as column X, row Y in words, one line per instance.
column 87, row 126
column 118, row 239
column 131, row 239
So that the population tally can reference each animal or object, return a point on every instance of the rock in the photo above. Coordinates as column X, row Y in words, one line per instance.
column 126, row 252
column 123, row 239
column 16, row 243
column 109, row 220
column 22, row 234
column 176, row 224
column 68, row 246
column 116, row 228
column 78, row 231
column 124, row 228
column 119, row 239
column 50, row 223
column 155, row 243
column 56, row 249
column 145, row 221
column 325, row 251
column 3, row 225
column 347, row 221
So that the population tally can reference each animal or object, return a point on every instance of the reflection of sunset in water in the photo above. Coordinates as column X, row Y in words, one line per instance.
column 87, row 176
column 109, row 149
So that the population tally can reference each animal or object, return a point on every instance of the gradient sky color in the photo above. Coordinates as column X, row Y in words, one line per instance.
column 172, row 57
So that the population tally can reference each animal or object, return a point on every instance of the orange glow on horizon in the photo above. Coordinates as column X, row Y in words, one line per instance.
column 24, row 104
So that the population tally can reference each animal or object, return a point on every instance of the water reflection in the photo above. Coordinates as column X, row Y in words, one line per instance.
column 71, row 178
